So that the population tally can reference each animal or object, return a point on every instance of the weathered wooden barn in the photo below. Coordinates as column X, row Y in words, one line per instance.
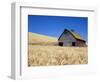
column 71, row 38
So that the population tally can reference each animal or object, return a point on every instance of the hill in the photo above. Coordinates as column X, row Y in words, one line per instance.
column 40, row 39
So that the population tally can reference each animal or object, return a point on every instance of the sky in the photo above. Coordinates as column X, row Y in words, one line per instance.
column 55, row 25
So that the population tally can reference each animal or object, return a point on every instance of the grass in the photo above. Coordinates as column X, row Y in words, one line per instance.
column 38, row 38
column 56, row 55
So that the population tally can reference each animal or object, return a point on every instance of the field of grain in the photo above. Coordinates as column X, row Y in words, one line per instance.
column 56, row 55
column 44, row 51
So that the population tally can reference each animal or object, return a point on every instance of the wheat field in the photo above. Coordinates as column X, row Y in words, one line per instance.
column 56, row 55
column 44, row 51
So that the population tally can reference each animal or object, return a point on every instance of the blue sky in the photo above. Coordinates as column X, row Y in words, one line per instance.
column 55, row 25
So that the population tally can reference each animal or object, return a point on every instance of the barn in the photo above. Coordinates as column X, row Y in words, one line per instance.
column 71, row 38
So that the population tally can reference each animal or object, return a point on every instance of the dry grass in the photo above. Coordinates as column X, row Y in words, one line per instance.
column 56, row 55
column 38, row 38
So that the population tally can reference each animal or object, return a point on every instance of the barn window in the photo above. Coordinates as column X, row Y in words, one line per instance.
column 60, row 43
column 73, row 43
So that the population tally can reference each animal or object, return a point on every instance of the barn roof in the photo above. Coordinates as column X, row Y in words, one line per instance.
column 74, row 34
column 77, row 36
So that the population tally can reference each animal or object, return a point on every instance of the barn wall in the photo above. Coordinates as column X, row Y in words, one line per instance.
column 67, row 39
column 80, row 43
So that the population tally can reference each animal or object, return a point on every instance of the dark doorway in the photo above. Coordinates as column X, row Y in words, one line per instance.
column 73, row 43
column 60, row 43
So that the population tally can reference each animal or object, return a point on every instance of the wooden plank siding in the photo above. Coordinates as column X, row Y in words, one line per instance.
column 68, row 39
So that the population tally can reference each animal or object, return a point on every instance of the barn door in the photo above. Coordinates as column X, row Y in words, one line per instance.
column 60, row 43
column 73, row 43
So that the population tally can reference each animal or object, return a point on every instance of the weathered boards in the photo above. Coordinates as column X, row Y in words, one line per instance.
column 71, row 38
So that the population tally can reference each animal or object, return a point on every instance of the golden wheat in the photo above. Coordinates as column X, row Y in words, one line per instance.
column 56, row 55
column 38, row 38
